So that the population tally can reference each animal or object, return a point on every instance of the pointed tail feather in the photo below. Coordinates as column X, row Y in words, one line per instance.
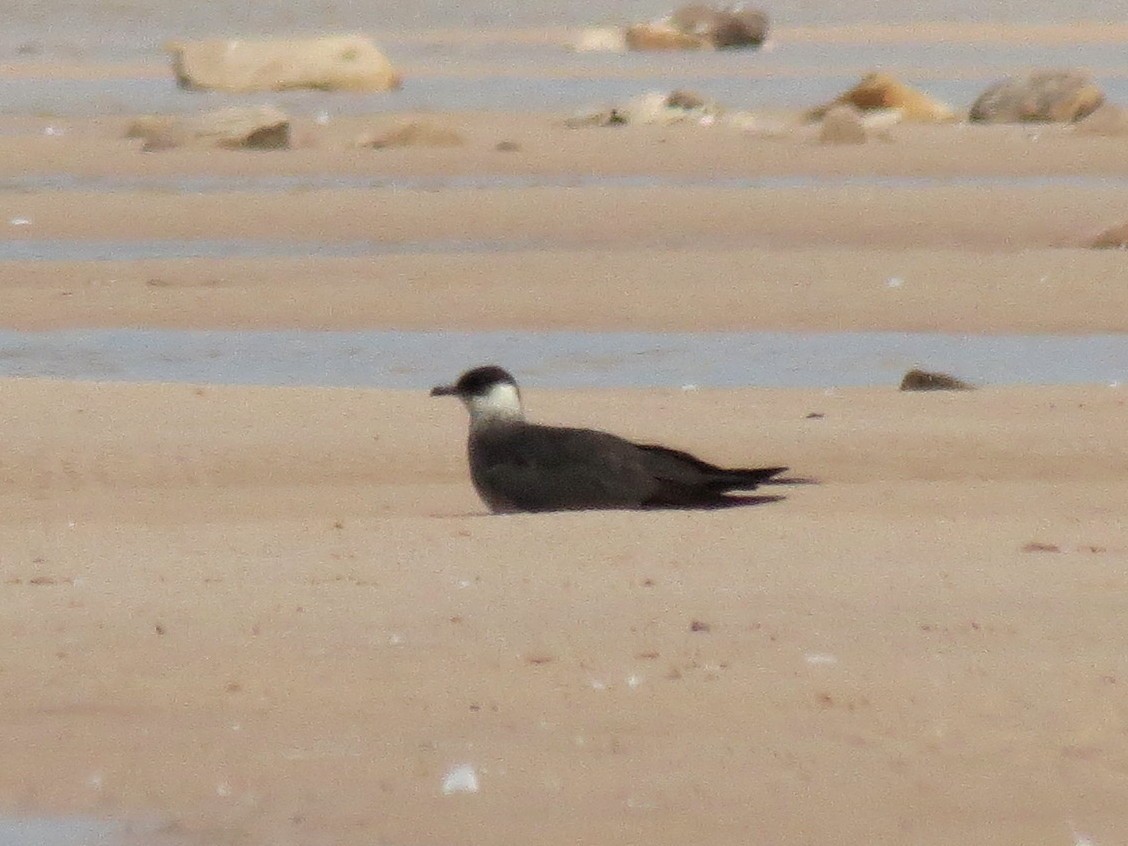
column 791, row 480
column 720, row 479
column 744, row 479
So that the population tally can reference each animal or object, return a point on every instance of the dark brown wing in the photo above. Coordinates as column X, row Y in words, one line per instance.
column 522, row 467
column 678, row 465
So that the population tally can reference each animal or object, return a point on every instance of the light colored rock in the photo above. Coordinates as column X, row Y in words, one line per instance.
column 662, row 36
column 1107, row 119
column 682, row 107
column 877, row 121
column 842, row 125
column 881, row 91
column 240, row 127
column 667, row 109
column 1045, row 96
column 652, row 108
column 759, row 125
column 417, row 133
column 337, row 63
column 656, row 108
column 604, row 39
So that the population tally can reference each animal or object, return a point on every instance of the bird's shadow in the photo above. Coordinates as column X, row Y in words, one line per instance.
column 731, row 501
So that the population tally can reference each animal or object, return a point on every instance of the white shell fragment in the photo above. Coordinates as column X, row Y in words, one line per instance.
column 824, row 658
column 460, row 779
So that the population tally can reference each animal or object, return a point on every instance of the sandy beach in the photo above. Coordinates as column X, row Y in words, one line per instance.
column 265, row 615
column 254, row 615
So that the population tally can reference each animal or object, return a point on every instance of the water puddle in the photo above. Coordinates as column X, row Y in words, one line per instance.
column 285, row 184
column 130, row 38
column 59, row 249
column 416, row 360
column 57, row 831
column 512, row 78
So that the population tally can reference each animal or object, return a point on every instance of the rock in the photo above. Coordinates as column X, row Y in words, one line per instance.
column 922, row 380
column 680, row 99
column 598, row 117
column 1107, row 119
column 880, row 121
column 878, row 91
column 842, row 125
column 338, row 63
column 722, row 28
column 1045, row 96
column 659, row 108
column 1113, row 238
column 651, row 108
column 680, row 107
column 668, row 109
column 240, row 127
column 699, row 27
column 662, row 36
column 756, row 123
column 416, row 133
column 604, row 39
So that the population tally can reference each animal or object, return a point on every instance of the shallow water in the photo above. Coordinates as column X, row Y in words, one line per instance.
column 57, row 831
column 98, row 25
column 46, row 249
column 516, row 77
column 88, row 98
column 417, row 360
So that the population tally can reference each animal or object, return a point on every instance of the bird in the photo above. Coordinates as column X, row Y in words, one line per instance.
column 518, row 466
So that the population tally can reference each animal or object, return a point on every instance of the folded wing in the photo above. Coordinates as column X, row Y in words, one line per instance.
column 548, row 468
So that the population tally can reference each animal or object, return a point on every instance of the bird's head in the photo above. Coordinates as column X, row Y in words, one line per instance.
column 489, row 393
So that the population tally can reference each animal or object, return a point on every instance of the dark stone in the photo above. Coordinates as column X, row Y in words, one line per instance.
column 723, row 28
column 1045, row 96
column 922, row 380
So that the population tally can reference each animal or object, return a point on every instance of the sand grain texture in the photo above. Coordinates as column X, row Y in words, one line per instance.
column 281, row 613
column 266, row 616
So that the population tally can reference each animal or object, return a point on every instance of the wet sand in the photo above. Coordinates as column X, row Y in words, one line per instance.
column 265, row 616
column 983, row 224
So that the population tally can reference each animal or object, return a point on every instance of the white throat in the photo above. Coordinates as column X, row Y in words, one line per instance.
column 501, row 402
